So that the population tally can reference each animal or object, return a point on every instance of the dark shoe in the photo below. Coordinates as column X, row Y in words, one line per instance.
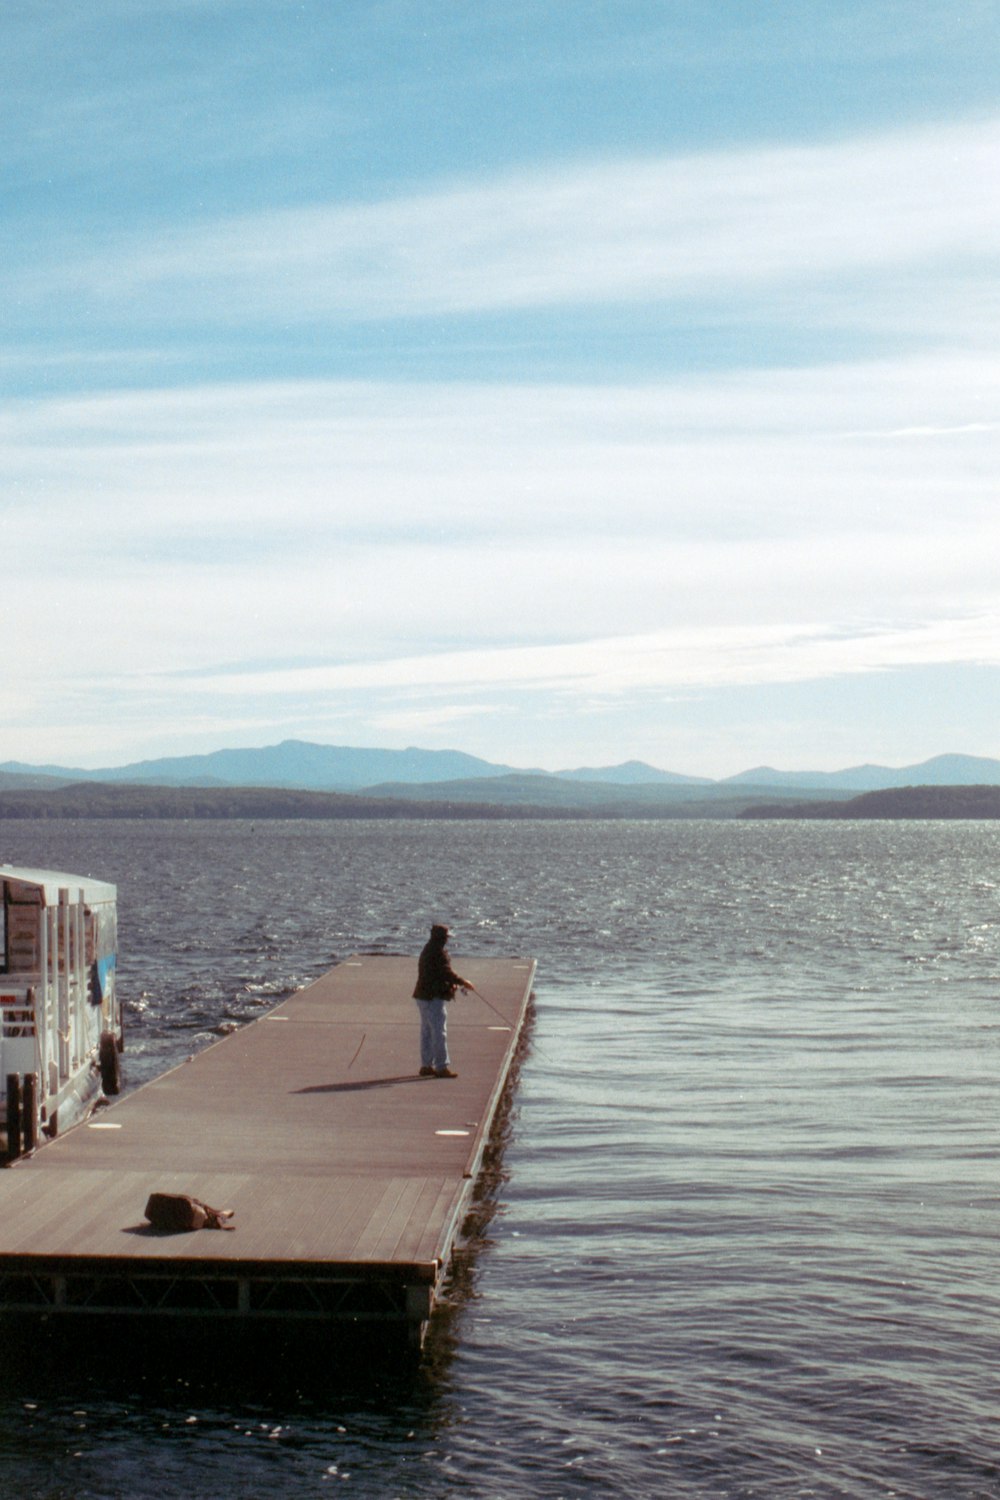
column 427, row 1072
column 445, row 1073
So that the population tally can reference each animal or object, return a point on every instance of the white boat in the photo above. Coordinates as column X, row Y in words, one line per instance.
column 61, row 1034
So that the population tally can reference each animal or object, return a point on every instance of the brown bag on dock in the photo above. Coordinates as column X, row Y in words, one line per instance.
column 173, row 1213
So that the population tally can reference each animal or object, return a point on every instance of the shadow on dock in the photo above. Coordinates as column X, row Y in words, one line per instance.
column 362, row 1084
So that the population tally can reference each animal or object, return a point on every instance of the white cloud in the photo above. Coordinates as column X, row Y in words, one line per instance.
column 651, row 229
column 498, row 701
column 306, row 520
column 408, row 720
column 351, row 461
column 429, row 549
column 679, row 660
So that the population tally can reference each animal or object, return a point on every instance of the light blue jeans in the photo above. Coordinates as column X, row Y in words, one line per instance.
column 433, row 1033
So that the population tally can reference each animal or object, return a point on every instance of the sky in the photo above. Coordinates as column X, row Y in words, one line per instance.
column 561, row 381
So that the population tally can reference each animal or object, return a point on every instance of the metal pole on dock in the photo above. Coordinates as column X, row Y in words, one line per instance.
column 13, row 1116
column 29, row 1112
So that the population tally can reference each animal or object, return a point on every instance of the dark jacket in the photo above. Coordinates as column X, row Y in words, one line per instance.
column 436, row 979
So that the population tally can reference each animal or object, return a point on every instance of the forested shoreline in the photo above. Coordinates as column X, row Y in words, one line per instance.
column 101, row 800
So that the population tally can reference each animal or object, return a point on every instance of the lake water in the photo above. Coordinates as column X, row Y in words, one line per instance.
column 745, row 1239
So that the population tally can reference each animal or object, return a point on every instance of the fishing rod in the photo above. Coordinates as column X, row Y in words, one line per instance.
column 471, row 987
column 534, row 1045
column 472, row 990
column 483, row 998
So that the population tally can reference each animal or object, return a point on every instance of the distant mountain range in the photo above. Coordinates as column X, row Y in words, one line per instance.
column 941, row 770
column 292, row 764
column 456, row 778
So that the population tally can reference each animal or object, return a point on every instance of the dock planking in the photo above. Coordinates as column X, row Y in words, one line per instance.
column 349, row 1174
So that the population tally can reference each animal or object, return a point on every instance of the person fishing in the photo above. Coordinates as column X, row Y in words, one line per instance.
column 436, row 985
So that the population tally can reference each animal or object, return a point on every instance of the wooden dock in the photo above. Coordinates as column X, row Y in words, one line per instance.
column 349, row 1174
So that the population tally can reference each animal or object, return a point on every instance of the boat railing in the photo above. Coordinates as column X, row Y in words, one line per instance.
column 46, row 1023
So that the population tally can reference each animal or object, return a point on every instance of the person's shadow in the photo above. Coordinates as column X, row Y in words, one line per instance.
column 365, row 1083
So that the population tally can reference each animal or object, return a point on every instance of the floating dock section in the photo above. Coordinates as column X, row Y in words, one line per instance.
column 349, row 1175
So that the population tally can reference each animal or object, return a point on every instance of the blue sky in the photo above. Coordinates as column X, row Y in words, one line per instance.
column 560, row 382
